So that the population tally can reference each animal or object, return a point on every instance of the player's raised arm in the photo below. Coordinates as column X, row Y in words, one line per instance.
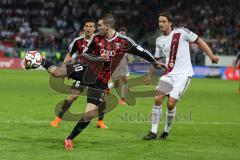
column 132, row 48
column 203, row 45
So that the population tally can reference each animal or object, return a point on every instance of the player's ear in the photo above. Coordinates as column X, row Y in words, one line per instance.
column 108, row 26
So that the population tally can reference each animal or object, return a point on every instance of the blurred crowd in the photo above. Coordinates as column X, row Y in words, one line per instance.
column 52, row 24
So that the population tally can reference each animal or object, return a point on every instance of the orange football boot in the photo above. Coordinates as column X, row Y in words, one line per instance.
column 100, row 124
column 68, row 144
column 122, row 101
column 56, row 121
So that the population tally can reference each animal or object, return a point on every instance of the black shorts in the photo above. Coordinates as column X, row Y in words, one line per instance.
column 81, row 72
column 77, row 85
column 87, row 77
column 97, row 93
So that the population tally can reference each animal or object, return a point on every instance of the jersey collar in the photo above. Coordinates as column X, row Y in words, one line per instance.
column 88, row 40
column 114, row 36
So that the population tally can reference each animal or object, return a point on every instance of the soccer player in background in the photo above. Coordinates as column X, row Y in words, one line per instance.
column 174, row 45
column 75, row 49
column 237, row 66
column 98, row 62
column 121, row 73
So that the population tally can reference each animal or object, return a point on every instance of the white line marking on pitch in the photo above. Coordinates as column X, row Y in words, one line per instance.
column 130, row 122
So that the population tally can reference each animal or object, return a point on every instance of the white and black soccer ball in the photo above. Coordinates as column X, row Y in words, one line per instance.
column 32, row 60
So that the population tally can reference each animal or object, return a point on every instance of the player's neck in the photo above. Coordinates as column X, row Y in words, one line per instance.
column 88, row 37
column 110, row 34
column 167, row 31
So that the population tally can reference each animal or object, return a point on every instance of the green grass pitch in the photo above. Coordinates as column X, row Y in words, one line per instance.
column 207, row 126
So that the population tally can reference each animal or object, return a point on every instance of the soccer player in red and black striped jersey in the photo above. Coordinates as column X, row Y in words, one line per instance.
column 111, row 47
column 76, row 48
column 98, row 62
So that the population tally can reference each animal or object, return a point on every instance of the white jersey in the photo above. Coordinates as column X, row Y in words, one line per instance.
column 175, row 47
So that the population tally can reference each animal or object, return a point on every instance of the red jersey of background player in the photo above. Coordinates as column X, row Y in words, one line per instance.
column 78, row 45
column 115, row 47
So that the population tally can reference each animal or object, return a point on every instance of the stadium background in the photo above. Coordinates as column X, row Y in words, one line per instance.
column 27, row 103
column 50, row 26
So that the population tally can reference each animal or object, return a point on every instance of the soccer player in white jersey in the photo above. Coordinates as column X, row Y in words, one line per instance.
column 121, row 73
column 174, row 45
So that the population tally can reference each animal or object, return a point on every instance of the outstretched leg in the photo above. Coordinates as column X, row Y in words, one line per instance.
column 55, row 71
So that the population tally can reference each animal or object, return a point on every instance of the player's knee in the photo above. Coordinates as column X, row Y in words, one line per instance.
column 116, row 84
column 89, row 115
column 125, row 80
column 55, row 74
column 158, row 100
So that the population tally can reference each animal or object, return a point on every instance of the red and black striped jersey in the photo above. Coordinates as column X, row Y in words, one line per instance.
column 115, row 47
column 78, row 45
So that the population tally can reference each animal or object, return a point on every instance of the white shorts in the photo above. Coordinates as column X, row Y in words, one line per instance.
column 178, row 85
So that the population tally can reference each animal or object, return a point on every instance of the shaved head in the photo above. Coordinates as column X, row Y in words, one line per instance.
column 108, row 19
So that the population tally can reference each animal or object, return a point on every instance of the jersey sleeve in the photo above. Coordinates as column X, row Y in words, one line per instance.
column 158, row 51
column 72, row 48
column 89, row 51
column 133, row 48
column 189, row 35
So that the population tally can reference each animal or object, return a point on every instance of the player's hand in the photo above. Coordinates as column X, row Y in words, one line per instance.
column 105, row 57
column 161, row 66
column 215, row 59
column 147, row 80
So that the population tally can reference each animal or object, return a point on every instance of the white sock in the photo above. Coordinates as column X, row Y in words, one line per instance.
column 124, row 90
column 110, row 85
column 156, row 116
column 169, row 118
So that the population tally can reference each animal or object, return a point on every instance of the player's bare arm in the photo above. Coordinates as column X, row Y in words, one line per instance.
column 152, row 70
column 149, row 75
column 203, row 45
column 67, row 58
